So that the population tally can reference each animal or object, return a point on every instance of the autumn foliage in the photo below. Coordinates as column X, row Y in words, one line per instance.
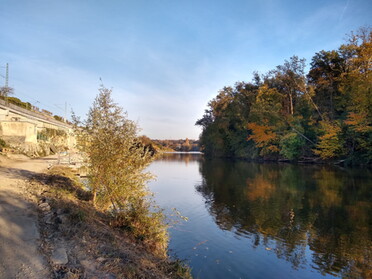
column 264, row 137
column 289, row 114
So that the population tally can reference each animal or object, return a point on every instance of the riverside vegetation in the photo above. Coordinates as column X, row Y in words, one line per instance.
column 117, row 160
column 93, row 248
column 286, row 114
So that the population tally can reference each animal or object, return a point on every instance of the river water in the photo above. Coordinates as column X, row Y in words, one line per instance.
column 249, row 220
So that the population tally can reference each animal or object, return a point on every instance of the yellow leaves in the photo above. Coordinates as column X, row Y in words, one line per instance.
column 330, row 144
column 268, row 95
column 359, row 122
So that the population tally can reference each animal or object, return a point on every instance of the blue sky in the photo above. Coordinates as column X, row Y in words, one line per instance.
column 164, row 59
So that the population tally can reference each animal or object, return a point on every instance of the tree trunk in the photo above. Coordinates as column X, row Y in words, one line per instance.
column 291, row 103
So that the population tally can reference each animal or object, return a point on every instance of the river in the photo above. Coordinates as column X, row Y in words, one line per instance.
column 250, row 220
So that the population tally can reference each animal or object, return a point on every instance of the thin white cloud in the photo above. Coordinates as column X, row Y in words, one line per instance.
column 344, row 10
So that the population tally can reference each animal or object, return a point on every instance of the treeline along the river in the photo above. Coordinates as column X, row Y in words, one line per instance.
column 324, row 114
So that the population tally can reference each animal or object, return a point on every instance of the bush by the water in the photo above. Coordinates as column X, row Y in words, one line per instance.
column 117, row 162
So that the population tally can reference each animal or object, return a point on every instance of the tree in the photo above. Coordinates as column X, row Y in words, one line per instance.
column 325, row 74
column 289, row 79
column 266, row 119
column 224, row 122
column 331, row 143
column 327, row 112
column 117, row 161
column 356, row 83
column 5, row 91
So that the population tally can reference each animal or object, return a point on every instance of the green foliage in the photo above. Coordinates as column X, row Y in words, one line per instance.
column 3, row 143
column 224, row 123
column 291, row 145
column 48, row 133
column 144, row 224
column 117, row 163
column 17, row 102
column 326, row 113
column 59, row 118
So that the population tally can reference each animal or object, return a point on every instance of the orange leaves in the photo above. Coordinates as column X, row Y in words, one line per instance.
column 264, row 137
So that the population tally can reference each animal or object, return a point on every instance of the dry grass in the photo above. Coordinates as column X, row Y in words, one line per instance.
column 94, row 248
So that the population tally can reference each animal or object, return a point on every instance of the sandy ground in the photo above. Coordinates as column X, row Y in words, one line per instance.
column 19, row 234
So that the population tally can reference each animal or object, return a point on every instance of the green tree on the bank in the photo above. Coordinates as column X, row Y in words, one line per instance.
column 117, row 160
column 289, row 114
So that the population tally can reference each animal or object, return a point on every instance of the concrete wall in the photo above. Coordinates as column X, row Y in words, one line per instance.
column 10, row 130
column 19, row 125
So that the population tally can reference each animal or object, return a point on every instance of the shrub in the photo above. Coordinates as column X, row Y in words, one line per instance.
column 3, row 143
column 117, row 161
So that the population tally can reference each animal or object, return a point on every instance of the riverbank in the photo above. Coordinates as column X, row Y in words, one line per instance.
column 301, row 161
column 73, row 239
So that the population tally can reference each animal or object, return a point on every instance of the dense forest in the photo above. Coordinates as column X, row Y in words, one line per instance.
column 288, row 114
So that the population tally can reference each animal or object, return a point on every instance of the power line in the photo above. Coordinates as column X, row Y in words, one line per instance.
column 6, row 77
column 51, row 107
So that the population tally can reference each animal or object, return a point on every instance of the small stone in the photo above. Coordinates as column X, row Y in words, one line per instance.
column 43, row 204
column 100, row 259
column 88, row 265
column 59, row 256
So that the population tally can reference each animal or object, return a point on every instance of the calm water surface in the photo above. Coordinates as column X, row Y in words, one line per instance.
column 249, row 220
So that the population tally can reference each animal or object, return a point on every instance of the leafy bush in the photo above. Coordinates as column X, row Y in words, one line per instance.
column 145, row 223
column 3, row 143
column 117, row 163
column 291, row 146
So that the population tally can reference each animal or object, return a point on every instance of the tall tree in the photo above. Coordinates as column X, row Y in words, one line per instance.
column 325, row 73
column 357, row 84
column 289, row 79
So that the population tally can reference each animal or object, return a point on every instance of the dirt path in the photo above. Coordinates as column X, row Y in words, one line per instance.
column 19, row 234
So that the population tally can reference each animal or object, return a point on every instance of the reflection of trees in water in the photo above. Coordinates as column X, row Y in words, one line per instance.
column 328, row 210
